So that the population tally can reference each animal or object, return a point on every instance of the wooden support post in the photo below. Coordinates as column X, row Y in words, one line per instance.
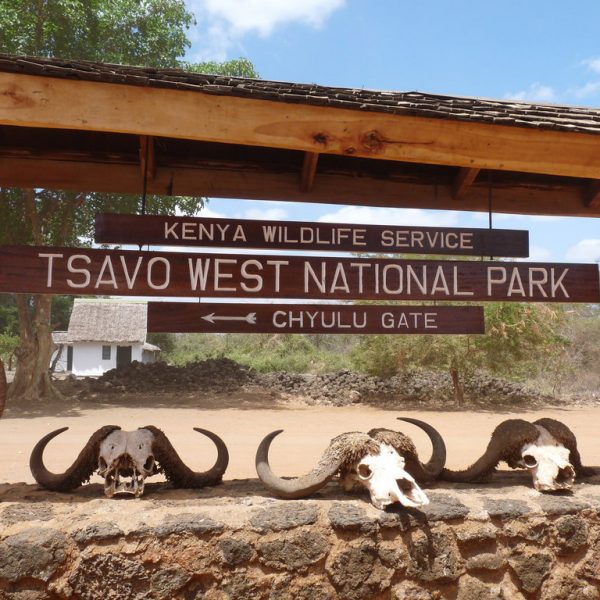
column 147, row 140
column 463, row 181
column 591, row 196
column 309, row 170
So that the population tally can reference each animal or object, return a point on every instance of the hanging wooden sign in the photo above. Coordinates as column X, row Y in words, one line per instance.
column 131, row 273
column 196, row 317
column 293, row 235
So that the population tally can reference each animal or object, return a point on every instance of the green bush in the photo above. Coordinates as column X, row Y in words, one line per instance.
column 8, row 343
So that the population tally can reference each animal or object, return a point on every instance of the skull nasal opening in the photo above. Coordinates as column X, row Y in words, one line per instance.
column 404, row 484
column 565, row 474
column 149, row 463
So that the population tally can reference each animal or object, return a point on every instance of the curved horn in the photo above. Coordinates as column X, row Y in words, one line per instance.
column 506, row 443
column 299, row 487
column 567, row 438
column 79, row 472
column 177, row 471
column 435, row 465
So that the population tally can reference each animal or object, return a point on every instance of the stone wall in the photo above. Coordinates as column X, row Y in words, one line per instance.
column 502, row 541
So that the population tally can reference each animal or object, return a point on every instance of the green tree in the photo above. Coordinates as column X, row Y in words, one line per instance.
column 150, row 33
column 520, row 339
column 238, row 67
column 130, row 32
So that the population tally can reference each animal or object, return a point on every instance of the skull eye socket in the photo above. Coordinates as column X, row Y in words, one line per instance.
column 529, row 460
column 364, row 472
column 102, row 463
column 149, row 463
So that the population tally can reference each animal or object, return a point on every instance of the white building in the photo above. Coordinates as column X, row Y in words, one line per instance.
column 102, row 335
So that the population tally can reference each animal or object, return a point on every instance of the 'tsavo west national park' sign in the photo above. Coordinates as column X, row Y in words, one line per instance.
column 294, row 235
column 175, row 317
column 30, row 269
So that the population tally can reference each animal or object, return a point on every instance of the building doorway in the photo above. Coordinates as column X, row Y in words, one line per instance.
column 123, row 356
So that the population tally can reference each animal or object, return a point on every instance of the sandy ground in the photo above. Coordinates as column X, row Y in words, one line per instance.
column 307, row 432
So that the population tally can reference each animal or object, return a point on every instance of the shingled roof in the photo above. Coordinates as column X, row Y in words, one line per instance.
column 420, row 104
column 108, row 321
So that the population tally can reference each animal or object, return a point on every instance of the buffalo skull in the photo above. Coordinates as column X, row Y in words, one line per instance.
column 384, row 462
column 546, row 448
column 125, row 459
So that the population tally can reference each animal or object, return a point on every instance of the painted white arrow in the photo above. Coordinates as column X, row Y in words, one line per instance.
column 249, row 318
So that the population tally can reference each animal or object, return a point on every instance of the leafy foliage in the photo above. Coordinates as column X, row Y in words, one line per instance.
column 281, row 352
column 238, row 67
column 149, row 33
column 8, row 344
column 152, row 32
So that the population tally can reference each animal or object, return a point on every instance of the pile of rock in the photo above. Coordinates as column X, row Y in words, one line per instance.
column 212, row 375
column 416, row 387
column 419, row 388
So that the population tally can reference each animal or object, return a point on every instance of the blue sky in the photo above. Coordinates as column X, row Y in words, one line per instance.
column 539, row 51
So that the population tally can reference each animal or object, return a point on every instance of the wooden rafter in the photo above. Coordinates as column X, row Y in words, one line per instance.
column 463, row 181
column 309, row 170
column 591, row 197
column 33, row 101
column 147, row 149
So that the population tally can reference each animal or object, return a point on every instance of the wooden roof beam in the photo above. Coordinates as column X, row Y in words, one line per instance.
column 309, row 170
column 34, row 101
column 229, row 181
column 464, row 180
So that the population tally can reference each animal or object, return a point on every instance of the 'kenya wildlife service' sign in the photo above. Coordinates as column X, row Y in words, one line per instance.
column 50, row 270
column 293, row 235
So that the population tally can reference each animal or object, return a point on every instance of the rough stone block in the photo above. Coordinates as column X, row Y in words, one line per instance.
column 357, row 572
column 235, row 552
column 531, row 566
column 571, row 534
column 564, row 585
column 505, row 509
column 443, row 507
column 434, row 556
column 167, row 582
column 470, row 588
column 284, row 516
column 97, row 532
column 479, row 533
column 110, row 577
column 36, row 553
column 408, row 590
column 293, row 553
column 350, row 517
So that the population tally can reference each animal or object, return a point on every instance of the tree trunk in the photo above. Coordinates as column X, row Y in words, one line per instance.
column 3, row 387
column 32, row 379
column 458, row 387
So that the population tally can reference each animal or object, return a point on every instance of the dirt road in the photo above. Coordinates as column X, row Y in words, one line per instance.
column 307, row 432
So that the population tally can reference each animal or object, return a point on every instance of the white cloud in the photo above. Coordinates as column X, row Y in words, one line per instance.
column 539, row 254
column 593, row 64
column 263, row 16
column 500, row 217
column 367, row 215
column 211, row 214
column 588, row 89
column 585, row 251
column 536, row 92
column 223, row 23
column 273, row 214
